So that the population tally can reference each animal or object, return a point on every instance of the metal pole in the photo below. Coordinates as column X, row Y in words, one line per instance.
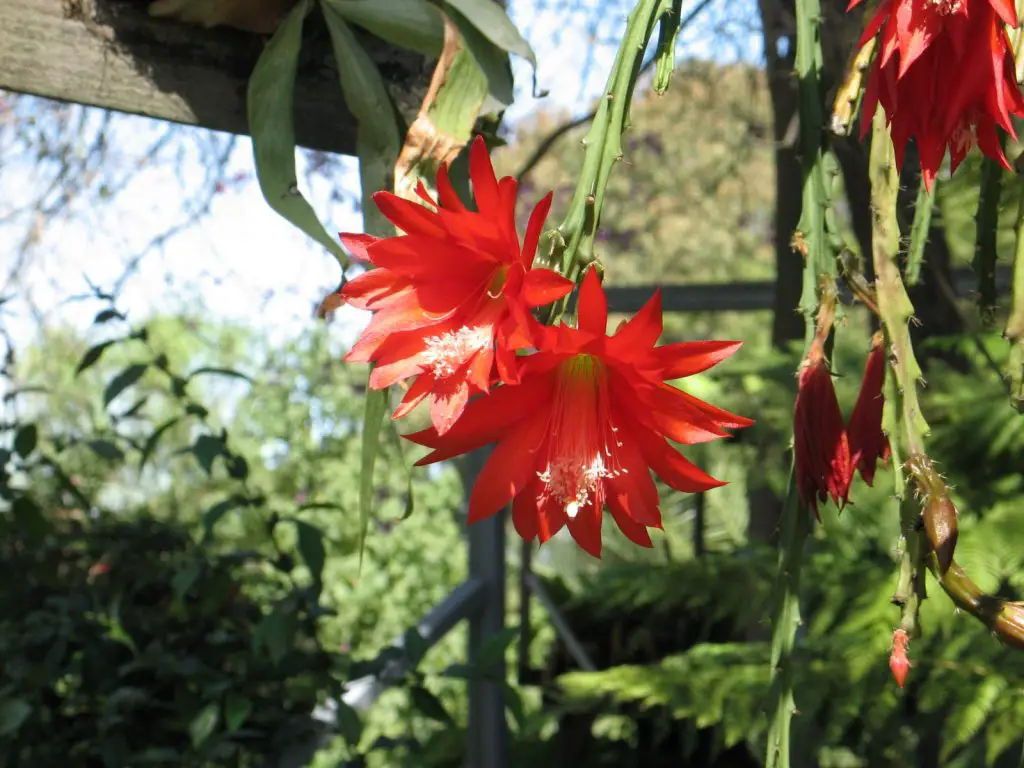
column 487, row 730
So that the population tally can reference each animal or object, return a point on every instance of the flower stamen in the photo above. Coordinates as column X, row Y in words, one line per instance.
column 580, row 458
column 446, row 353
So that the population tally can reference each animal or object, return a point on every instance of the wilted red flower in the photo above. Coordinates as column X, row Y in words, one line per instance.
column 899, row 664
column 821, row 450
column 868, row 444
column 452, row 296
column 590, row 420
column 944, row 74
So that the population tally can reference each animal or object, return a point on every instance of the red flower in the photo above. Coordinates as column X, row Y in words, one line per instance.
column 868, row 443
column 822, row 454
column 590, row 419
column 944, row 74
column 452, row 297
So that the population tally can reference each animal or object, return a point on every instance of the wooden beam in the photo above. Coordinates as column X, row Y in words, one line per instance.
column 111, row 54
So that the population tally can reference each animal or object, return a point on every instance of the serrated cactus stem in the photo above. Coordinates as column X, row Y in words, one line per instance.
column 894, row 307
column 986, row 221
column 919, row 232
column 1015, row 323
column 810, row 240
column 603, row 142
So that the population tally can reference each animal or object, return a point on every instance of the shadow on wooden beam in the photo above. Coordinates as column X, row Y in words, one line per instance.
column 111, row 54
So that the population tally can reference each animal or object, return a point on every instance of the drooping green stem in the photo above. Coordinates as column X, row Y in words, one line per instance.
column 919, row 232
column 572, row 243
column 1015, row 323
column 902, row 419
column 987, row 221
column 795, row 527
column 894, row 307
column 811, row 242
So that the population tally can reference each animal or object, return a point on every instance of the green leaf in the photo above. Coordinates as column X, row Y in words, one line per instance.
column 514, row 704
column 30, row 518
column 158, row 755
column 238, row 468
column 26, row 440
column 183, row 580
column 311, row 547
column 412, row 24
column 106, row 450
column 378, row 139
column 492, row 60
column 271, row 123
column 349, row 725
column 206, row 449
column 107, row 315
column 494, row 24
column 493, row 648
column 194, row 409
column 13, row 714
column 414, row 645
column 396, row 442
column 134, row 408
column 236, row 709
column 213, row 515
column 153, row 439
column 428, row 705
column 92, row 355
column 229, row 372
column 203, row 724
column 459, row 672
column 275, row 633
column 122, row 381
column 376, row 407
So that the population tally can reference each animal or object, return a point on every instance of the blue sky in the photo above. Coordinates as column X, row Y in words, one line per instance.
column 242, row 261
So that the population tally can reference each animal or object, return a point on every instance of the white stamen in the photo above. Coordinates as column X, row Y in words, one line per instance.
column 447, row 353
column 580, row 455
column 945, row 7
column 573, row 483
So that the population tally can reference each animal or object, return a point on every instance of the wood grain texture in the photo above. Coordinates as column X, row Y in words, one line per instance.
column 111, row 54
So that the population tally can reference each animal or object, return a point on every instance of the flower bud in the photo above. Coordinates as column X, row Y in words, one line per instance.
column 899, row 664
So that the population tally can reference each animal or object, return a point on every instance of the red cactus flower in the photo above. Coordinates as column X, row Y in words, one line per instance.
column 899, row 664
column 452, row 297
column 589, row 422
column 868, row 444
column 944, row 74
column 821, row 450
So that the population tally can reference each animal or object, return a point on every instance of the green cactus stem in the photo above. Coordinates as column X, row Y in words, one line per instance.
column 1014, row 332
column 811, row 241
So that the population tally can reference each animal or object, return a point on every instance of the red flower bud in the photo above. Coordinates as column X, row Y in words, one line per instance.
column 820, row 445
column 868, row 444
column 899, row 664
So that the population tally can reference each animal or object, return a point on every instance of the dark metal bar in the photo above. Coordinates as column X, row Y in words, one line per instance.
column 561, row 625
column 525, row 629
column 751, row 296
column 464, row 602
column 487, row 738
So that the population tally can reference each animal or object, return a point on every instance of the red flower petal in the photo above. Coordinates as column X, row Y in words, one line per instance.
column 508, row 470
column 640, row 332
column 544, row 286
column 356, row 244
column 534, row 229
column 592, row 312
